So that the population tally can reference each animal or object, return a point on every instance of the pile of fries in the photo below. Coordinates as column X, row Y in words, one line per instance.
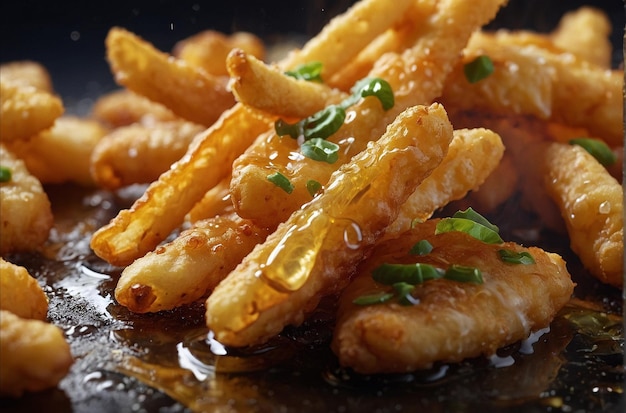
column 395, row 110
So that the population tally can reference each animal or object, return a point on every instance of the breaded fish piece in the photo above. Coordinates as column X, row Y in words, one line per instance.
column 20, row 293
column 33, row 354
column 25, row 211
column 452, row 320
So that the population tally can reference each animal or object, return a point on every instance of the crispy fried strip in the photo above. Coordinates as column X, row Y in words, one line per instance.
column 186, row 90
column 25, row 211
column 162, row 208
column 451, row 320
column 312, row 253
column 215, row 202
column 123, row 107
column 20, row 293
column 591, row 203
column 186, row 269
column 268, row 89
column 26, row 111
column 141, row 152
column 472, row 156
column 27, row 73
column 345, row 35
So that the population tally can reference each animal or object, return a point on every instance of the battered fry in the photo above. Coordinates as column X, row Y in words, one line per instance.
column 451, row 320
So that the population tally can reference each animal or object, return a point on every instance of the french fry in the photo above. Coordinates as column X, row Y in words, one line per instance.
column 26, row 111
column 472, row 156
column 140, row 153
column 208, row 49
column 499, row 186
column 186, row 269
column 25, row 210
column 311, row 254
column 266, row 88
column 123, row 107
column 591, row 203
column 46, row 154
column 163, row 206
column 186, row 90
column 215, row 202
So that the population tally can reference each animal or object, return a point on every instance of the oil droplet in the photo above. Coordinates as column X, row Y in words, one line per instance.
column 352, row 235
column 604, row 207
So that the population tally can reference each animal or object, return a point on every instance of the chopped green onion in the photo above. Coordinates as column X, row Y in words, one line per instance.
column 313, row 186
column 373, row 86
column 404, row 290
column 372, row 299
column 389, row 274
column 422, row 247
column 5, row 174
column 513, row 257
column 597, row 148
column 281, row 181
column 463, row 273
column 469, row 213
column 478, row 69
column 320, row 149
column 470, row 227
column 319, row 125
column 311, row 72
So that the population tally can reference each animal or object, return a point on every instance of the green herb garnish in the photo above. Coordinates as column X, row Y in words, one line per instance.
column 389, row 274
column 311, row 72
column 478, row 69
column 371, row 86
column 403, row 291
column 462, row 273
column 320, row 125
column 5, row 174
column 513, row 257
column 313, row 186
column 281, row 181
column 422, row 247
column 597, row 148
column 472, row 223
column 372, row 299
column 320, row 149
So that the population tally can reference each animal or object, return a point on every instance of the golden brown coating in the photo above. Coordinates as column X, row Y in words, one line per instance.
column 33, row 354
column 591, row 202
column 313, row 253
column 20, row 293
column 26, row 110
column 141, row 152
column 123, row 107
column 25, row 211
column 451, row 320
column 27, row 73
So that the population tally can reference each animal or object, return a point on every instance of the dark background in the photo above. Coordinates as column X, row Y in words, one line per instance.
column 68, row 36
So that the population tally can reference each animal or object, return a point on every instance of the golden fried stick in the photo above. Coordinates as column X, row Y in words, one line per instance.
column 162, row 208
column 186, row 269
column 416, row 76
column 208, row 49
column 314, row 251
column 123, row 107
column 215, row 202
column 141, row 152
column 472, row 156
column 25, row 210
column 26, row 110
column 134, row 232
column 591, row 202
column 451, row 320
column 186, row 90
column 268, row 89
column 345, row 35
column 583, row 94
column 33, row 354
column 20, row 293
column 27, row 73
column 46, row 154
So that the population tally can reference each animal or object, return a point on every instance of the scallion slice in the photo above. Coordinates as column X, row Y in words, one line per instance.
column 469, row 213
column 311, row 72
column 463, row 273
column 372, row 299
column 319, row 125
column 389, row 274
column 403, row 291
column 313, row 186
column 470, row 227
column 5, row 174
column 513, row 257
column 422, row 247
column 281, row 181
column 597, row 148
column 478, row 69
column 320, row 149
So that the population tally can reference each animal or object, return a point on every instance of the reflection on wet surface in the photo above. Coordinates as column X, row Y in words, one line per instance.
column 170, row 361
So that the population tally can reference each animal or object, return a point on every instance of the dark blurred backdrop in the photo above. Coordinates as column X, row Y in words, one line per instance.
column 68, row 36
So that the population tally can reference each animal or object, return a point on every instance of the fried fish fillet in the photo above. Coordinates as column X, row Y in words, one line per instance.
column 452, row 320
